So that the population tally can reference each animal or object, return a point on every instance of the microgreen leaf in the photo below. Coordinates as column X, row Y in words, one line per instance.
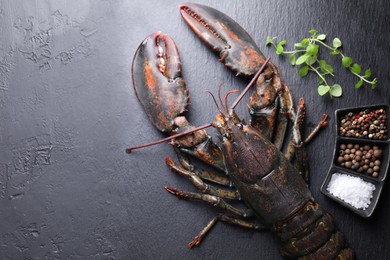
column 374, row 83
column 311, row 60
column 313, row 31
column 359, row 84
column 303, row 71
column 336, row 90
column 279, row 47
column 282, row 42
column 302, row 59
column 322, row 64
column 312, row 49
column 269, row 40
column 327, row 68
column 292, row 59
column 346, row 61
column 336, row 43
column 321, row 37
column 298, row 45
column 304, row 41
column 322, row 90
column 334, row 53
column 367, row 73
column 356, row 68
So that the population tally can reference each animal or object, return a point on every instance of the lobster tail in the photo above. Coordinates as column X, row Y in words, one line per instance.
column 311, row 233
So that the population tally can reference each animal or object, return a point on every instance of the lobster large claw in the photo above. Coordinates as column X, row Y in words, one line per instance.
column 239, row 52
column 157, row 80
column 236, row 48
column 164, row 96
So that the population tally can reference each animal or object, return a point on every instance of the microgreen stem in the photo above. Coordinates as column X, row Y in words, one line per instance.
column 293, row 52
column 362, row 78
column 318, row 73
column 327, row 46
column 324, row 44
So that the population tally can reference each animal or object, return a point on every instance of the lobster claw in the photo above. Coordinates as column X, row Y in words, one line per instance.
column 157, row 81
column 164, row 96
column 236, row 48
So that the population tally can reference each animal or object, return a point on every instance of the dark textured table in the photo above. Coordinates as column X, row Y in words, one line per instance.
column 68, row 190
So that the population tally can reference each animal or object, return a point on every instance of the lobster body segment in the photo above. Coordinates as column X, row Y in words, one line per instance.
column 268, row 183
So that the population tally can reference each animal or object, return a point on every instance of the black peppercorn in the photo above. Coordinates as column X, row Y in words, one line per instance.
column 371, row 124
column 360, row 158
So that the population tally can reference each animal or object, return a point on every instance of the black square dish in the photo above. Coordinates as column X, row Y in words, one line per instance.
column 367, row 212
column 356, row 140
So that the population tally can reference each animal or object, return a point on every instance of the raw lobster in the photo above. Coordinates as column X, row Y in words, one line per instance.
column 271, row 183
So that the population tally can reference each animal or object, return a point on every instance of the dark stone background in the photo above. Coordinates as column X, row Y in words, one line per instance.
column 67, row 112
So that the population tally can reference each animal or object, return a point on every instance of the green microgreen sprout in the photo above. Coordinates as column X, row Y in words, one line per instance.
column 305, row 54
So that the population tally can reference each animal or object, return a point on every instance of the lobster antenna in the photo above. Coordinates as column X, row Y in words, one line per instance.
column 220, row 97
column 250, row 84
column 226, row 97
column 128, row 150
column 215, row 102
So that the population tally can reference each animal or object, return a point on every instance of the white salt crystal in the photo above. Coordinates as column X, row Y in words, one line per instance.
column 353, row 190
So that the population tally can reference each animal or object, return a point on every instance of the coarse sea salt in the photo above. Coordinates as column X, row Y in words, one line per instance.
column 353, row 190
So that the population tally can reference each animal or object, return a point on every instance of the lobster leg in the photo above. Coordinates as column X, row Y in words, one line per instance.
column 227, row 219
column 296, row 147
column 316, row 130
column 272, row 95
column 286, row 109
column 263, row 107
column 203, row 174
column 213, row 200
column 204, row 187
column 297, row 129
column 301, row 159
column 281, row 124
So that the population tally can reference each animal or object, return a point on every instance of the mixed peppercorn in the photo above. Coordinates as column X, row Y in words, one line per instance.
column 360, row 158
column 369, row 124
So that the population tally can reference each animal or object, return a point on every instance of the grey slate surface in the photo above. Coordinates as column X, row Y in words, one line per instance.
column 67, row 112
